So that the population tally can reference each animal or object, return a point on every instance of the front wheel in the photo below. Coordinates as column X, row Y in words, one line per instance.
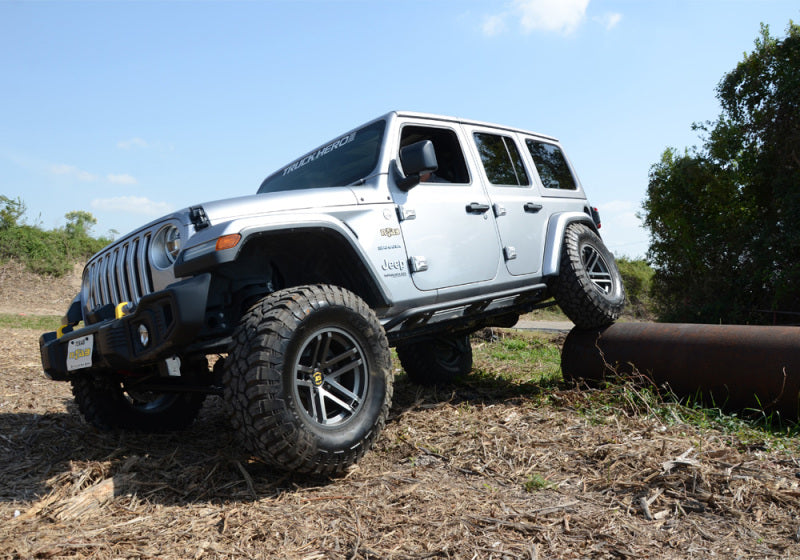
column 588, row 287
column 111, row 401
column 308, row 379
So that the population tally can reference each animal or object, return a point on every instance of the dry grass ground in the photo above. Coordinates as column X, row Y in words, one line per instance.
column 24, row 293
column 506, row 464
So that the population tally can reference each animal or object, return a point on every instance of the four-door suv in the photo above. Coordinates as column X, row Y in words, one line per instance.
column 411, row 231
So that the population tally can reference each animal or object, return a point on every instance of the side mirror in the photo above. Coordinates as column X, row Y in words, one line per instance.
column 417, row 158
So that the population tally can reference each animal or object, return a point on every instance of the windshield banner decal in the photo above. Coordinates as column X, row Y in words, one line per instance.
column 319, row 153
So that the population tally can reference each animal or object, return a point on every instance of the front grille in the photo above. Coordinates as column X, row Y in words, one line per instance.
column 121, row 273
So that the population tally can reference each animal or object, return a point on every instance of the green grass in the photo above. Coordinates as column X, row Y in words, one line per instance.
column 530, row 351
column 528, row 364
column 631, row 397
column 536, row 482
column 518, row 357
column 32, row 322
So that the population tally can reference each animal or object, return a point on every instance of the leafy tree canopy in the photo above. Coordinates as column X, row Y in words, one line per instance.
column 725, row 241
column 79, row 222
column 11, row 210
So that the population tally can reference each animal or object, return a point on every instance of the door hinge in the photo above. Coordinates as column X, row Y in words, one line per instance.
column 417, row 264
column 510, row 252
column 404, row 213
column 198, row 217
column 499, row 210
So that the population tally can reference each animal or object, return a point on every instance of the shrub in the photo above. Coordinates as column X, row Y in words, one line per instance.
column 637, row 276
column 51, row 252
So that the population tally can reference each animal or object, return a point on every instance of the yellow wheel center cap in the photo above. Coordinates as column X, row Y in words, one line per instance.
column 317, row 378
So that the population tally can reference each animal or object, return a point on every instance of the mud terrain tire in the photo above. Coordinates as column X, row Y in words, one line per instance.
column 107, row 403
column 308, row 380
column 436, row 361
column 588, row 287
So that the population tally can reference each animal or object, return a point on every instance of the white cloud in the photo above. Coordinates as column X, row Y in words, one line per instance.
column 85, row 176
column 72, row 171
column 132, row 143
column 132, row 204
column 560, row 16
column 608, row 20
column 494, row 25
column 555, row 16
column 122, row 179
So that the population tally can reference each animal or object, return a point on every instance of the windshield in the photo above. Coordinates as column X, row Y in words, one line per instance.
column 341, row 162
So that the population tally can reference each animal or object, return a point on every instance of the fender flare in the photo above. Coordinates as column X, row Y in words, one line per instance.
column 554, row 239
column 204, row 261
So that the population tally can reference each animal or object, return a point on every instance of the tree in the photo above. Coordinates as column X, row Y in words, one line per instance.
column 11, row 210
column 79, row 223
column 724, row 236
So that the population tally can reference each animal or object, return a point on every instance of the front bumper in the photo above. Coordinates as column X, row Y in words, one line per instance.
column 172, row 316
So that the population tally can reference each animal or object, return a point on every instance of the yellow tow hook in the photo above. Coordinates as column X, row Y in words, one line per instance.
column 122, row 309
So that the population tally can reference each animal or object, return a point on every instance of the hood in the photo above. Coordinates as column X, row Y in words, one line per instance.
column 284, row 201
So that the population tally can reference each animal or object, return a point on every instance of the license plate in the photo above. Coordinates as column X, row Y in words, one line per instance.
column 79, row 353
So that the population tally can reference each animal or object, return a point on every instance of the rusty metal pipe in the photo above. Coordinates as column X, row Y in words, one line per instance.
column 732, row 366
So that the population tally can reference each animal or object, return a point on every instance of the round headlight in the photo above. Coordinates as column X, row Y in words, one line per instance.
column 172, row 243
column 166, row 246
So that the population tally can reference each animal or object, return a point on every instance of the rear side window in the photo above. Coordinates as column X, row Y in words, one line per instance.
column 501, row 160
column 339, row 163
column 551, row 165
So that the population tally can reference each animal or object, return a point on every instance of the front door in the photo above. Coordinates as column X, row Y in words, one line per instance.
column 446, row 221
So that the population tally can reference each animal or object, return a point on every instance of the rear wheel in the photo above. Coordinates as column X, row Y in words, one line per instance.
column 436, row 361
column 589, row 286
column 308, row 379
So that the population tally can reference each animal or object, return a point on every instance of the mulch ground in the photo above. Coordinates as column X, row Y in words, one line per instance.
column 485, row 469
column 477, row 471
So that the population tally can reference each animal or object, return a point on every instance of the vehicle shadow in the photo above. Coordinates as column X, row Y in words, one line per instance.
column 59, row 452
column 58, row 456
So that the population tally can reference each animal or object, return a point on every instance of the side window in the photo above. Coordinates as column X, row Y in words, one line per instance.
column 551, row 165
column 501, row 160
column 449, row 156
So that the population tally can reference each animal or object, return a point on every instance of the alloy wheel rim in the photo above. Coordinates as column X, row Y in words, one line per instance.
column 597, row 269
column 330, row 377
column 149, row 402
column 448, row 352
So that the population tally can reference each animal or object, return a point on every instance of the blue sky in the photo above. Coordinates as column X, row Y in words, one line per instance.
column 132, row 109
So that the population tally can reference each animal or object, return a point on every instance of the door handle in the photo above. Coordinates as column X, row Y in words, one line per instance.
column 532, row 207
column 477, row 207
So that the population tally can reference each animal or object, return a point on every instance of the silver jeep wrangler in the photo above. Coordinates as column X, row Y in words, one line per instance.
column 411, row 231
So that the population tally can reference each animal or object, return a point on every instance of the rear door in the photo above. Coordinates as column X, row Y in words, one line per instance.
column 516, row 201
column 446, row 221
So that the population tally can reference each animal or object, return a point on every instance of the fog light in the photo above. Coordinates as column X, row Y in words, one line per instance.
column 144, row 335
